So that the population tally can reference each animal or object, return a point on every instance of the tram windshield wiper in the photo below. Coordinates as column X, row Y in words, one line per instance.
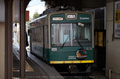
column 64, row 42
column 79, row 42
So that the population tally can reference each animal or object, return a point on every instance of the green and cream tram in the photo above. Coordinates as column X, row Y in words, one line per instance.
column 64, row 38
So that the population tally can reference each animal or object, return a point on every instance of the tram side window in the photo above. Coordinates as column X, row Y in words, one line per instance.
column 33, row 35
column 41, row 34
column 47, row 36
column 37, row 34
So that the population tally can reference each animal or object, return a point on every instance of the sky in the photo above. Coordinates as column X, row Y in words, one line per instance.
column 35, row 6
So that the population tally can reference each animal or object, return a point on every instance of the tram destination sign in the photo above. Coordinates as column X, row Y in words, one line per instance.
column 57, row 18
column 84, row 18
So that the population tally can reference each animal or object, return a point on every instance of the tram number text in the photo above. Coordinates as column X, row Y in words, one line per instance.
column 71, row 57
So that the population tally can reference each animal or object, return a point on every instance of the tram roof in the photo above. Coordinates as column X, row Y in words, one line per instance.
column 38, row 18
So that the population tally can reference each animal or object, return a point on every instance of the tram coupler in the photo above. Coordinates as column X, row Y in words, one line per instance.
column 73, row 69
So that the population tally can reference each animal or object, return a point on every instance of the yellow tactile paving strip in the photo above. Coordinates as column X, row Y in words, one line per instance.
column 27, row 67
column 17, row 78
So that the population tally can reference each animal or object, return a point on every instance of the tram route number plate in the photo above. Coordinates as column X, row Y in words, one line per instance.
column 54, row 49
column 71, row 16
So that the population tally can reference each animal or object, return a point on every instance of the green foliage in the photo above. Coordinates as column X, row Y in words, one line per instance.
column 35, row 15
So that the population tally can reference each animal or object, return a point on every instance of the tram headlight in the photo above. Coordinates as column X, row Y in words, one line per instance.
column 80, row 24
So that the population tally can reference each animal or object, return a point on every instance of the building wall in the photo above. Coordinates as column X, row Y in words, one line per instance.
column 112, row 46
column 2, row 11
column 2, row 39
column 2, row 50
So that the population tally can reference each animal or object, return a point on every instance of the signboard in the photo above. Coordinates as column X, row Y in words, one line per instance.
column 100, row 39
column 117, row 20
column 27, row 15
column 117, row 16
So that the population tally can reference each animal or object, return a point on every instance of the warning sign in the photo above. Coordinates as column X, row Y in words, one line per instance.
column 117, row 16
column 117, row 20
column 117, row 30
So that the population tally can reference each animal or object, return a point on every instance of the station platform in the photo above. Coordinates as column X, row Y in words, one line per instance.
column 35, row 68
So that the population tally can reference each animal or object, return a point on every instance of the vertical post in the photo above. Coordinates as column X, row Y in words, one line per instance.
column 71, row 34
column 8, row 39
column 22, row 39
column 110, row 70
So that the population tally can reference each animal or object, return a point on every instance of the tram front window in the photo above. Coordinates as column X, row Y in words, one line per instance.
column 70, row 34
